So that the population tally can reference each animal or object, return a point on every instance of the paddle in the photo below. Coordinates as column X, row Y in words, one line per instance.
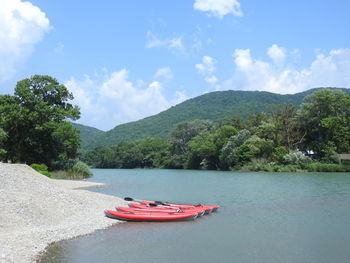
column 155, row 203
column 130, row 199
column 160, row 203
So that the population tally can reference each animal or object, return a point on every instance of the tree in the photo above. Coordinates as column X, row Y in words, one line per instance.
column 259, row 147
column 326, row 117
column 202, row 152
column 256, row 120
column 278, row 154
column 330, row 153
column 184, row 131
column 291, row 131
column 222, row 135
column 67, row 140
column 12, row 117
column 36, row 121
column 283, row 127
column 230, row 152
column 3, row 136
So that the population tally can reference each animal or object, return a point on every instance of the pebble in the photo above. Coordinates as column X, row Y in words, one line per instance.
column 36, row 211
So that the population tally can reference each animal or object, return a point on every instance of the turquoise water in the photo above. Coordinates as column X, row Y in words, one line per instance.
column 265, row 217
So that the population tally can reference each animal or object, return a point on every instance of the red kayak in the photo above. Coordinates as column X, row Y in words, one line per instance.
column 147, row 209
column 143, row 208
column 208, row 208
column 201, row 210
column 150, row 216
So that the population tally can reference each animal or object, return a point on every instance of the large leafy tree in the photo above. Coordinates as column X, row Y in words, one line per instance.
column 282, row 126
column 326, row 117
column 36, row 121
column 202, row 152
column 185, row 131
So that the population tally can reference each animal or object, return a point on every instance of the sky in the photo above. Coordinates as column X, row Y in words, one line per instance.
column 126, row 60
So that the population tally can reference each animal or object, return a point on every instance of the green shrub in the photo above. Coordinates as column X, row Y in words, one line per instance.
column 297, row 158
column 63, row 165
column 41, row 168
column 278, row 153
column 330, row 153
column 80, row 169
column 269, row 167
column 258, row 165
column 47, row 173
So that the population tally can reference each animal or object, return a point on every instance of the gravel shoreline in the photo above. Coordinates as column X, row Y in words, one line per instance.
column 36, row 211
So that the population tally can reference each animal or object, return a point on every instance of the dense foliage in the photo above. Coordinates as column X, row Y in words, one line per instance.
column 34, row 125
column 214, row 106
column 87, row 134
column 275, row 140
column 3, row 136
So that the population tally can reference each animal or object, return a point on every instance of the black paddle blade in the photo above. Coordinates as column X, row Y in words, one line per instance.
column 128, row 199
column 159, row 202
column 152, row 204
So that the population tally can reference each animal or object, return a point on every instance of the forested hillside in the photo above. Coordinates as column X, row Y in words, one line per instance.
column 87, row 133
column 213, row 106
column 312, row 137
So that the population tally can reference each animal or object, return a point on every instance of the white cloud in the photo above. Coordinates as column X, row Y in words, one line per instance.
column 219, row 8
column 115, row 100
column 276, row 53
column 174, row 43
column 243, row 59
column 22, row 25
column 207, row 68
column 165, row 73
column 327, row 70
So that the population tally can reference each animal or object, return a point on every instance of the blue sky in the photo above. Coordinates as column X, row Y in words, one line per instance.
column 126, row 60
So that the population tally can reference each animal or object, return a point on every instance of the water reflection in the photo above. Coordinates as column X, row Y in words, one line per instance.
column 265, row 218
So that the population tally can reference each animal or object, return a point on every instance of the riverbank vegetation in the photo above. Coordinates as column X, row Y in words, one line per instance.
column 35, row 127
column 284, row 138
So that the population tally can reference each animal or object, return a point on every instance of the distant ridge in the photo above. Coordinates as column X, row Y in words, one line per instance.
column 87, row 133
column 213, row 106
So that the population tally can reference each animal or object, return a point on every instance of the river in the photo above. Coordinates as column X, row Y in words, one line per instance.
column 264, row 217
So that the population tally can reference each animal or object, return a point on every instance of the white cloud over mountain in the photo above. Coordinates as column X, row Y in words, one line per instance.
column 327, row 70
column 219, row 8
column 115, row 100
column 22, row 25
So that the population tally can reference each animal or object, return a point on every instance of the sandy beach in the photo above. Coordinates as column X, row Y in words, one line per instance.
column 36, row 211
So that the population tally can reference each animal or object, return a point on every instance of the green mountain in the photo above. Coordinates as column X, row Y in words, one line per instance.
column 214, row 106
column 87, row 134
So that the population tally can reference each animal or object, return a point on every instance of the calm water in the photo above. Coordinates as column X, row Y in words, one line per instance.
column 265, row 217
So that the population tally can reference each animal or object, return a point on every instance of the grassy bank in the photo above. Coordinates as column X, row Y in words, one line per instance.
column 311, row 167
column 69, row 169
